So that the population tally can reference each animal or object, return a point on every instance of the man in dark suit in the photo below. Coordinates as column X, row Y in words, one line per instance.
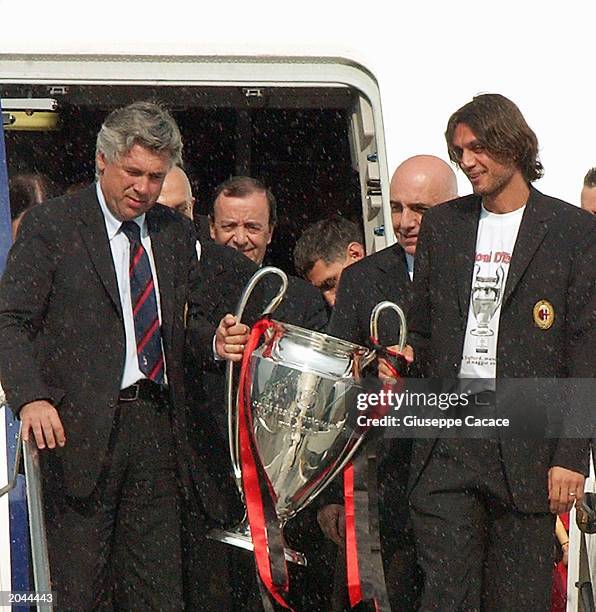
column 504, row 288
column 418, row 183
column 243, row 215
column 92, row 327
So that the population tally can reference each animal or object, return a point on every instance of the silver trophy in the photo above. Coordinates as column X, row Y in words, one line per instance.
column 303, row 388
column 486, row 297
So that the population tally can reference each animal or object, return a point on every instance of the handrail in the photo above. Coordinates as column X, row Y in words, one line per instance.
column 29, row 454
column 37, row 529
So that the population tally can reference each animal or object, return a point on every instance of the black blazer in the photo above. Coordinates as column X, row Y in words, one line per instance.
column 380, row 276
column 61, row 325
column 362, row 285
column 224, row 273
column 554, row 259
column 303, row 305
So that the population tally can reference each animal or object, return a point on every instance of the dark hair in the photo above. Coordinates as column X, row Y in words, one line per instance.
column 327, row 240
column 29, row 189
column 502, row 130
column 590, row 178
column 242, row 187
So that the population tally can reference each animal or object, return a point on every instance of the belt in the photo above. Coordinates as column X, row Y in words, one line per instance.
column 143, row 389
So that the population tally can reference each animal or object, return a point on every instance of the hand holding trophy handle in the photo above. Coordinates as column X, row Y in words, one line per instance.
column 362, row 544
column 364, row 362
column 230, row 404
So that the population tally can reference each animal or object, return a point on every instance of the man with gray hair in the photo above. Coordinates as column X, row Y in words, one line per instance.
column 92, row 327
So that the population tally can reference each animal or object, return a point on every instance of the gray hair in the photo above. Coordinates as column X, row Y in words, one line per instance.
column 141, row 123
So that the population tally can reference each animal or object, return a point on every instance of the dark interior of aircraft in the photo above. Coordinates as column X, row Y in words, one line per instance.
column 296, row 140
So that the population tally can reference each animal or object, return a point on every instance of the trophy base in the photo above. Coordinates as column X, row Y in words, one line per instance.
column 241, row 538
column 483, row 332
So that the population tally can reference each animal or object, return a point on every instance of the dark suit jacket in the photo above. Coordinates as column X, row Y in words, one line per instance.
column 380, row 276
column 61, row 325
column 362, row 285
column 223, row 274
column 303, row 305
column 554, row 259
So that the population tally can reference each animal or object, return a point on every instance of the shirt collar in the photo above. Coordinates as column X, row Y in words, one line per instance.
column 112, row 223
column 410, row 264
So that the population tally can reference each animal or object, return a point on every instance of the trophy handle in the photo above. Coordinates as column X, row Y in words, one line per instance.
column 374, row 332
column 374, row 322
column 366, row 359
column 273, row 304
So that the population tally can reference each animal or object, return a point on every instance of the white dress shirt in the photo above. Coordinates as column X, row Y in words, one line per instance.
column 120, row 247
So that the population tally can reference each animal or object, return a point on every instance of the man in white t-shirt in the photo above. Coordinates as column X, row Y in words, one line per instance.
column 504, row 288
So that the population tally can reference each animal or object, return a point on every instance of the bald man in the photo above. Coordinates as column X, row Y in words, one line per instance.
column 176, row 192
column 418, row 183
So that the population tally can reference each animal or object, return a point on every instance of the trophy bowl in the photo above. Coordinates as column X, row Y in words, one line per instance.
column 303, row 397
column 299, row 390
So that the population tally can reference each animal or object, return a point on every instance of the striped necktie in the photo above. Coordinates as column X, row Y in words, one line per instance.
column 144, row 307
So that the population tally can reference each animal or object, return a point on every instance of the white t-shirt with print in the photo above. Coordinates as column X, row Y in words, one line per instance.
column 496, row 238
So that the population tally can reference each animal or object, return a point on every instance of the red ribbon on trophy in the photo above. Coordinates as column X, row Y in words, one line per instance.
column 259, row 495
column 368, row 592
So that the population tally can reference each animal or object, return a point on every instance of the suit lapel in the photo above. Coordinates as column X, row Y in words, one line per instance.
column 165, row 259
column 94, row 235
column 395, row 260
column 532, row 230
column 463, row 241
